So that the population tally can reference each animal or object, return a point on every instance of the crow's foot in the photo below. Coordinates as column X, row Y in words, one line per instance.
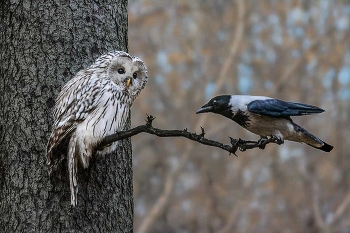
column 277, row 139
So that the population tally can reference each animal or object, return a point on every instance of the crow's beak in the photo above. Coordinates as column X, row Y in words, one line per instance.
column 205, row 108
column 128, row 81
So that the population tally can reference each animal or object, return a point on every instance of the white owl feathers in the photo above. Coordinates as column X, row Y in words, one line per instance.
column 94, row 104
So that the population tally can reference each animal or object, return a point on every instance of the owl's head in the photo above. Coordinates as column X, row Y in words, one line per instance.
column 129, row 73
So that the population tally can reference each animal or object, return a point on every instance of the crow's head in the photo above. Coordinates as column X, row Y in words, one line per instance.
column 218, row 104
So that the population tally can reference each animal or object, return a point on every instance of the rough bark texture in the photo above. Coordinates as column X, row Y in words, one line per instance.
column 43, row 44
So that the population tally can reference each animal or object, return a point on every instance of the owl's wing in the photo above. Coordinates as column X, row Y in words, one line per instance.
column 78, row 98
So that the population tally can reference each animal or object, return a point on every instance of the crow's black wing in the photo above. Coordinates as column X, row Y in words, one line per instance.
column 279, row 108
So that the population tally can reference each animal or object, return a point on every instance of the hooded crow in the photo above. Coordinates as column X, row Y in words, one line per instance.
column 267, row 117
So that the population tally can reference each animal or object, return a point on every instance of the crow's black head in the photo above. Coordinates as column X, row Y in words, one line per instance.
column 218, row 104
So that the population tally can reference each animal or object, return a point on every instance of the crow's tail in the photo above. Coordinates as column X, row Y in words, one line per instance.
column 311, row 140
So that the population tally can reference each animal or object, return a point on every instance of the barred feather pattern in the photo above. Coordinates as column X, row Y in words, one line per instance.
column 94, row 104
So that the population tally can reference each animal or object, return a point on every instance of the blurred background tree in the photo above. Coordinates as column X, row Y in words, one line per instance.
column 293, row 50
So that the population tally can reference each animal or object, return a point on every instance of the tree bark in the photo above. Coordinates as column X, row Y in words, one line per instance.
column 43, row 44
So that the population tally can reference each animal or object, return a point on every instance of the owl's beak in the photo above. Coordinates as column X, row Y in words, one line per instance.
column 128, row 81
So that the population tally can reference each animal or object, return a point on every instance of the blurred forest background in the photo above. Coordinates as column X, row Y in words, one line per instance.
column 292, row 50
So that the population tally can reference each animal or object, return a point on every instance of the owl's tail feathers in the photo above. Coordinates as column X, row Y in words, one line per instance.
column 53, row 163
column 59, row 139
column 56, row 148
column 72, row 167
column 51, row 157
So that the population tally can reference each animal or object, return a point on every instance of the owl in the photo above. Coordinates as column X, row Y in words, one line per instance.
column 92, row 105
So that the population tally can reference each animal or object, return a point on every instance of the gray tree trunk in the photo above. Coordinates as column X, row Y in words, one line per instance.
column 43, row 44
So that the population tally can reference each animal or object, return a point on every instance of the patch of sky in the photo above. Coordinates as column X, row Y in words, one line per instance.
column 159, row 79
column 162, row 61
column 155, row 180
column 328, row 78
column 329, row 218
column 246, row 57
column 257, row 28
column 273, row 19
column 200, row 67
column 245, row 82
column 294, row 18
column 259, row 48
column 328, row 95
column 346, row 9
column 244, row 70
column 189, row 25
column 286, row 152
column 310, row 67
column 344, row 75
column 344, row 93
column 186, row 205
column 297, row 15
column 140, row 207
column 295, row 53
column 268, row 84
column 347, row 57
column 222, row 35
column 255, row 204
column 186, row 84
column 281, row 204
column 342, row 24
column 324, row 48
column 296, row 32
column 276, row 36
column 181, row 67
column 306, row 43
column 187, row 181
column 324, row 4
column 209, row 90
column 247, row 176
column 264, row 175
column 196, row 74
column 299, row 32
column 173, row 162
column 159, row 106
column 271, row 56
column 322, row 16
column 258, row 44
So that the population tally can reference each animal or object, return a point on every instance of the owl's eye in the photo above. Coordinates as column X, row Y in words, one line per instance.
column 121, row 71
column 134, row 75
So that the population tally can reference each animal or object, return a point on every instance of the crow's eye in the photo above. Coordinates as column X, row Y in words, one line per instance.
column 215, row 102
column 134, row 75
column 121, row 71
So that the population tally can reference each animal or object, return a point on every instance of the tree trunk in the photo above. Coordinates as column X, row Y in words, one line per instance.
column 43, row 44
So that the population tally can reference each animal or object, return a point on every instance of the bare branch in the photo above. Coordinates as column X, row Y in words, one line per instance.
column 232, row 218
column 343, row 206
column 236, row 144
column 315, row 206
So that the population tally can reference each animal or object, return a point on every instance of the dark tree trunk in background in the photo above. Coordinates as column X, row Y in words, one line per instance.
column 43, row 44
